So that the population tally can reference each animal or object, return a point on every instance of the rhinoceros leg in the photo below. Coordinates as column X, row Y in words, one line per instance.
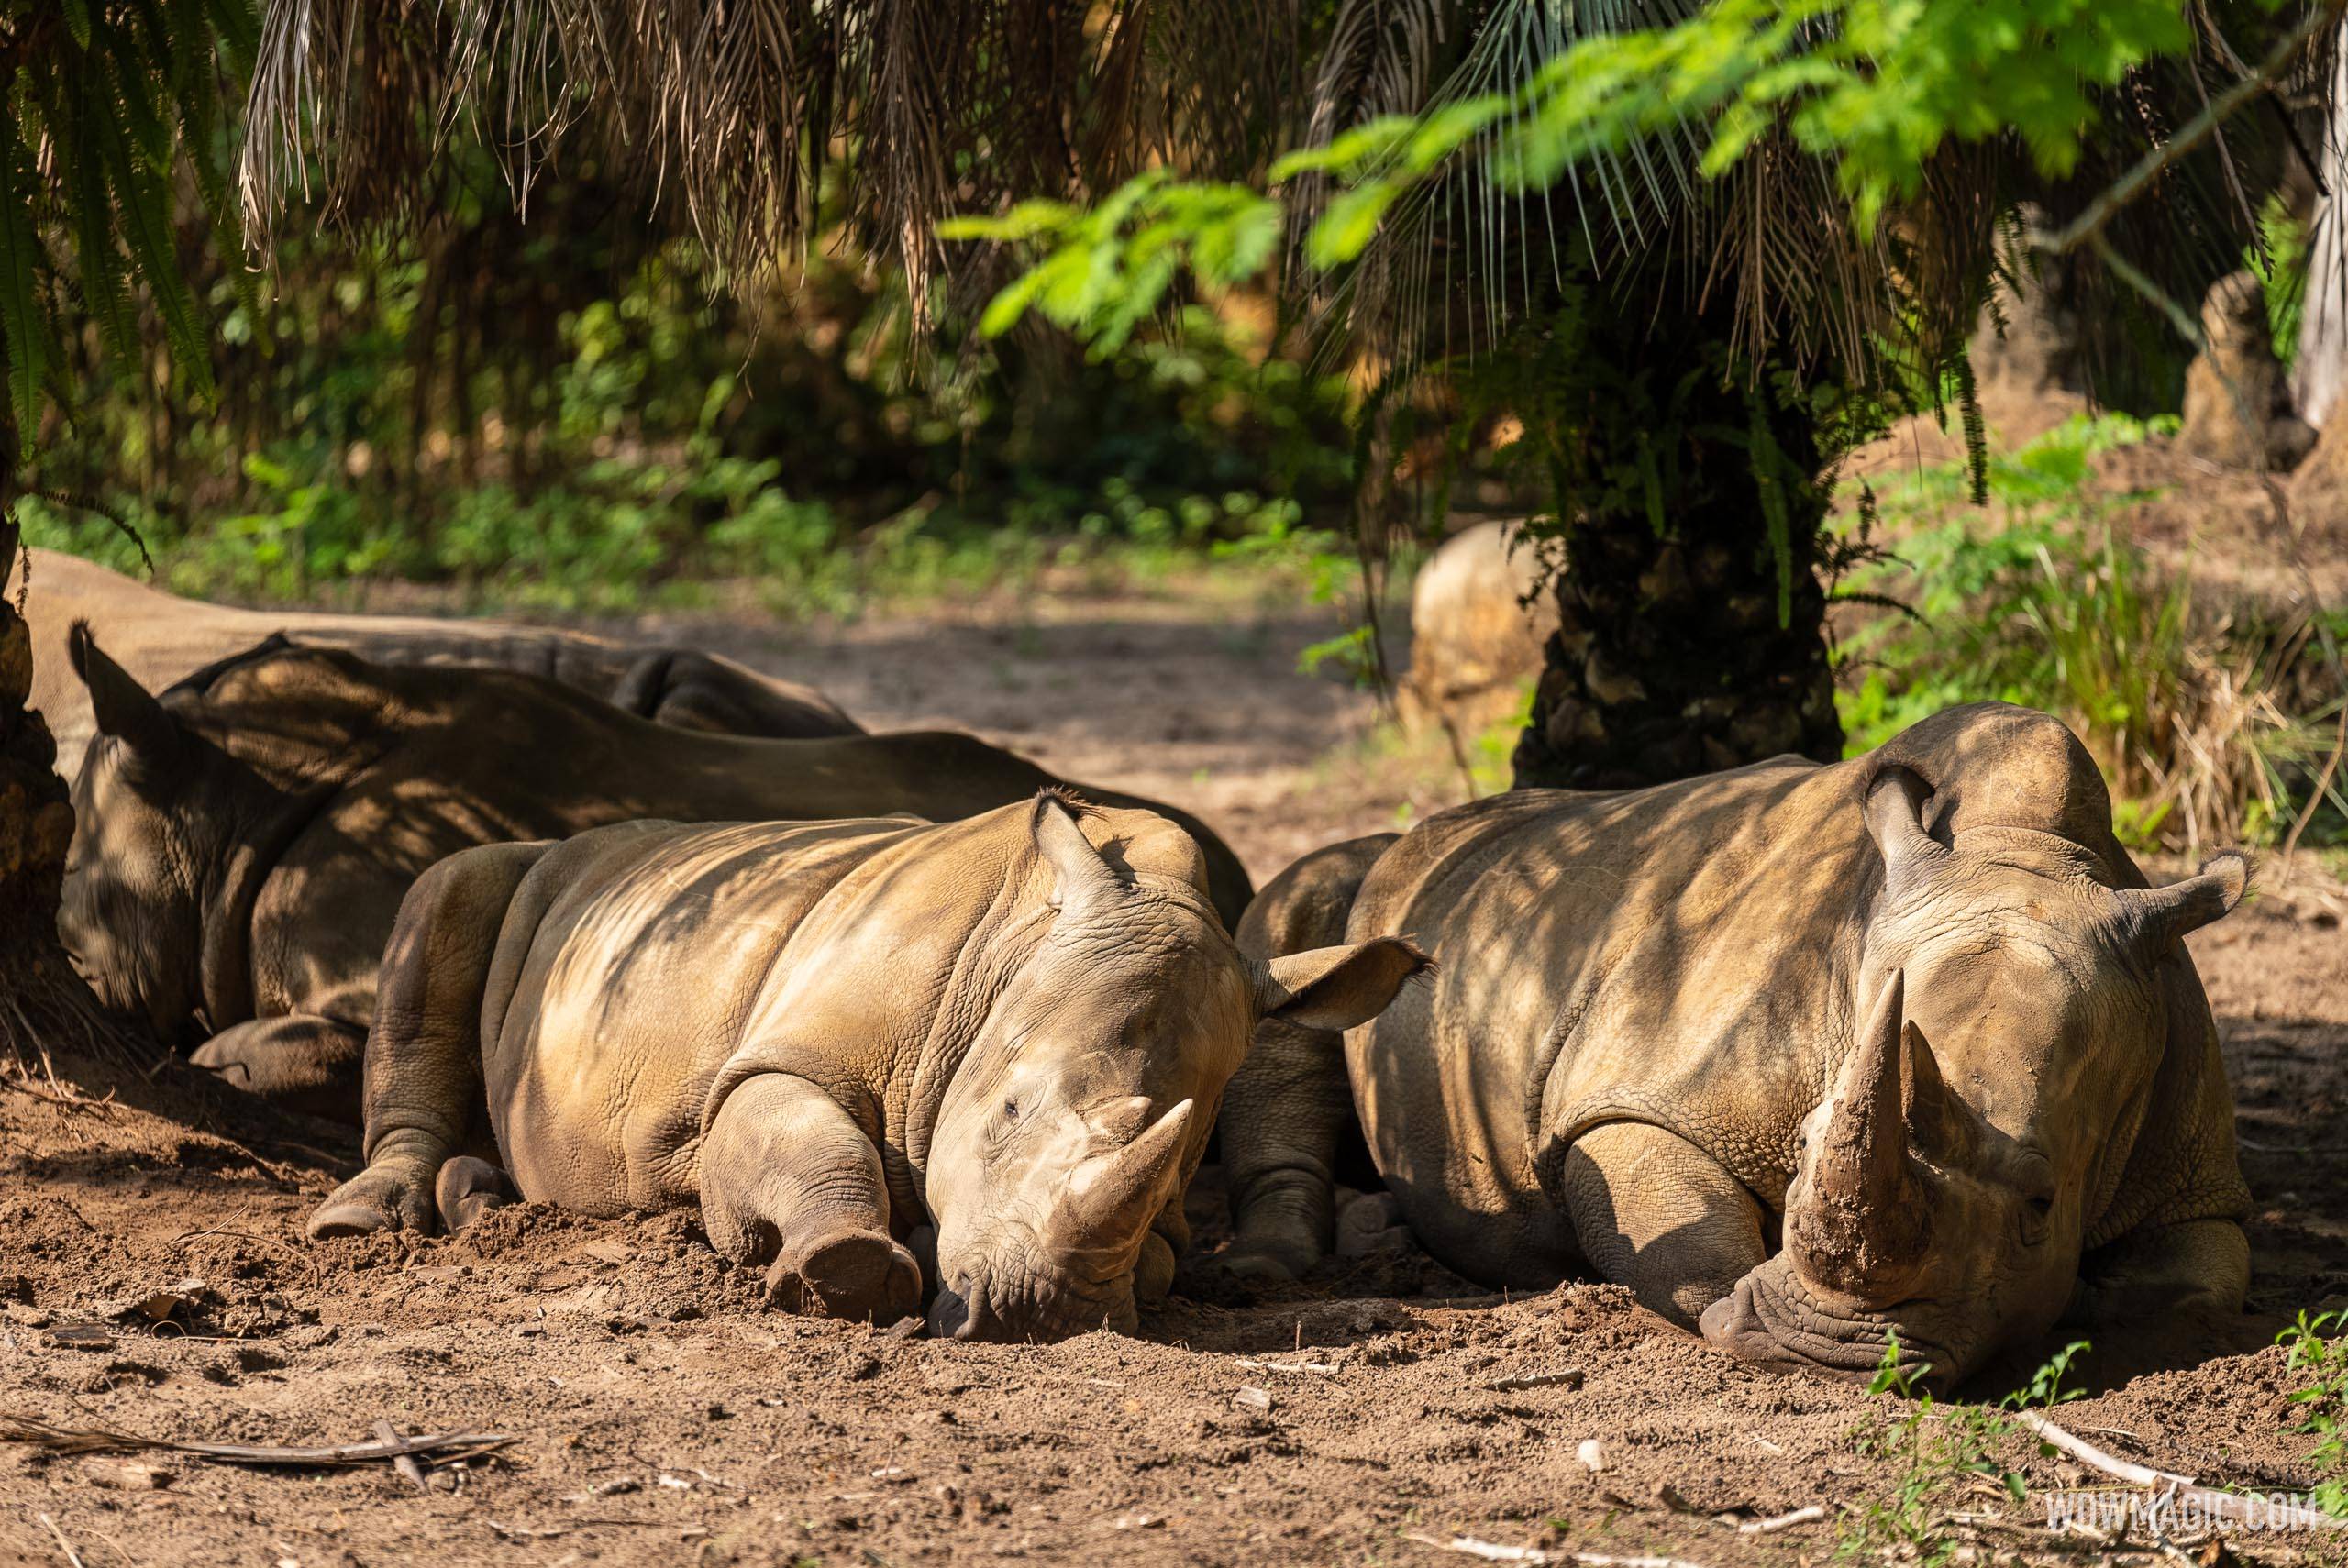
column 425, row 1102
column 787, row 1174
column 301, row 1061
column 1290, row 1101
column 2196, row 1265
column 1653, row 1211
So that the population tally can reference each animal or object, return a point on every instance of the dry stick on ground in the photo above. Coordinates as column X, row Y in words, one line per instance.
column 62, row 1544
column 1468, row 1545
column 108, row 1439
column 524, row 1533
column 1571, row 1376
column 2208, row 1501
column 403, row 1463
column 1324, row 1368
column 1782, row 1522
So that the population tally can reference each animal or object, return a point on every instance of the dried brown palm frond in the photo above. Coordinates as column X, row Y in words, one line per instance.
column 733, row 113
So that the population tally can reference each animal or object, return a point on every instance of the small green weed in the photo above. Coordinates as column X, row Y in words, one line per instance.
column 2326, row 1402
column 1940, row 1445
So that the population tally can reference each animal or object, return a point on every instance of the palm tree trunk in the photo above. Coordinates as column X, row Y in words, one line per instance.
column 2320, row 372
column 44, row 1005
column 1690, row 639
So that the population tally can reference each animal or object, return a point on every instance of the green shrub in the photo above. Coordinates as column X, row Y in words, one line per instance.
column 2211, row 722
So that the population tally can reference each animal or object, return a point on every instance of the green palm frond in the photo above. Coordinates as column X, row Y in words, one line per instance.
column 106, row 105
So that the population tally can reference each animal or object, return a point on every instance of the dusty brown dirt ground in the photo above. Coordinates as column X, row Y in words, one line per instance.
column 662, row 1418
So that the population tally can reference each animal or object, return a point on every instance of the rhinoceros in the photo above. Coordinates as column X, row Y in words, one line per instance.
column 161, row 639
column 1013, row 1029
column 1804, row 1056
column 245, row 840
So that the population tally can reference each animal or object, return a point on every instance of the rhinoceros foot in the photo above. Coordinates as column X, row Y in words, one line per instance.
column 390, row 1195
column 1258, row 1267
column 468, row 1188
column 856, row 1275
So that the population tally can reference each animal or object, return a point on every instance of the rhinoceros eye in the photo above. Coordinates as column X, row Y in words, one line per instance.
column 1011, row 1110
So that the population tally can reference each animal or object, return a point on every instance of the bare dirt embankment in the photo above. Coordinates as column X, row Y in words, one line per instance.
column 662, row 1418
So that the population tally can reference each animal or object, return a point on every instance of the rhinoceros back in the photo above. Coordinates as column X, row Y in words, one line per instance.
column 630, row 964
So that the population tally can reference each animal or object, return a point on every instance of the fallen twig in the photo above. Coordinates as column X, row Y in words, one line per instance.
column 1809, row 1514
column 1571, row 1378
column 63, row 1545
column 1468, row 1545
column 57, row 1094
column 1324, row 1368
column 524, row 1533
column 2212, row 1503
column 2256, row 1147
column 108, row 1440
column 403, row 1463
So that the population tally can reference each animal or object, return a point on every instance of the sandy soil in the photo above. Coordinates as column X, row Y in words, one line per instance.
column 660, row 1416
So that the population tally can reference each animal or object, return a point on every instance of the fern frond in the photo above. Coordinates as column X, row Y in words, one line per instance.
column 30, row 346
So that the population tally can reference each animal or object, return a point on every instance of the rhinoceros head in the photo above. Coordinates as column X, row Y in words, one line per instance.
column 1085, row 1099
column 2014, row 1021
column 157, row 810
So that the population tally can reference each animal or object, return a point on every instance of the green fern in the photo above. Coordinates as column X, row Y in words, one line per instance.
column 31, row 340
column 91, row 143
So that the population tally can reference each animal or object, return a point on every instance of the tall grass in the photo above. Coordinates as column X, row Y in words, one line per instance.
column 2213, row 718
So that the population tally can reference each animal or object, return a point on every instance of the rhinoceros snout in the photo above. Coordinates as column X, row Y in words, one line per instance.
column 1771, row 1319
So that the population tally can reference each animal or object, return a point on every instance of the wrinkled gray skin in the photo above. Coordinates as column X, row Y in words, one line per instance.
column 1010, row 1031
column 245, row 841
column 1799, row 1054
column 161, row 639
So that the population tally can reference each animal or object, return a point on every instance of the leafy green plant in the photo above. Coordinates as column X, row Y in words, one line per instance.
column 2324, row 1401
column 2280, row 260
column 2211, row 722
column 1940, row 1445
column 106, row 105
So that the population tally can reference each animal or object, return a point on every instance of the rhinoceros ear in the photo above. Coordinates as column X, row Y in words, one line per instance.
column 1337, row 988
column 2161, row 915
column 123, row 708
column 1894, row 819
column 1081, row 877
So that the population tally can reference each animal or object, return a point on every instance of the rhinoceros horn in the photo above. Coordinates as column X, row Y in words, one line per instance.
column 1862, row 1225
column 1118, row 1193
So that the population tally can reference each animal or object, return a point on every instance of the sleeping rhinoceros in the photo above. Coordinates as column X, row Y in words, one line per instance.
column 1801, row 1054
column 161, row 639
column 1013, row 1029
column 244, row 841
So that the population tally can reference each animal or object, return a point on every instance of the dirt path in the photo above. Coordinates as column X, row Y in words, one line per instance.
column 662, row 1418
